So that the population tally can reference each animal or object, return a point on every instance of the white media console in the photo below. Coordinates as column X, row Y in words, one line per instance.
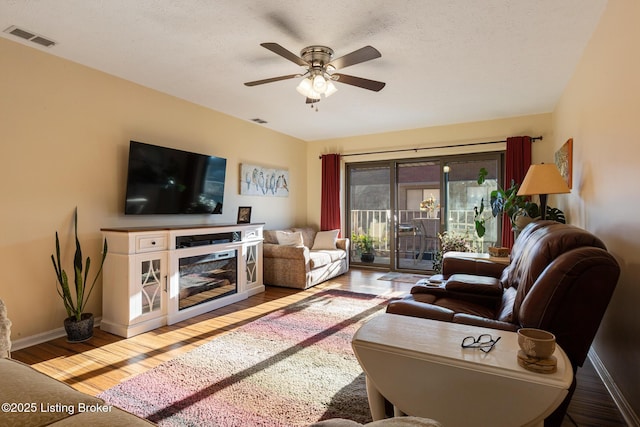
column 155, row 276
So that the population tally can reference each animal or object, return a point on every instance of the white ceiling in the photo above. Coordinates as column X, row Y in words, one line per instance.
column 444, row 62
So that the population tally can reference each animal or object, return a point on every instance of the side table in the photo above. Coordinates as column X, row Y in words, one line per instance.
column 420, row 367
column 479, row 255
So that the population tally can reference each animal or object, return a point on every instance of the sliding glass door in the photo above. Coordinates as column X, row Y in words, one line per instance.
column 417, row 210
column 398, row 208
column 369, row 203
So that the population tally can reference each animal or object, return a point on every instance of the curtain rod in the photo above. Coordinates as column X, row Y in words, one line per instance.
column 535, row 138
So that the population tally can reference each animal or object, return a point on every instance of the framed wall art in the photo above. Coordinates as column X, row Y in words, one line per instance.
column 261, row 181
column 564, row 161
column 244, row 214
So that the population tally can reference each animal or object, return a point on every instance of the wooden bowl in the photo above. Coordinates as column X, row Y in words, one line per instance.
column 536, row 342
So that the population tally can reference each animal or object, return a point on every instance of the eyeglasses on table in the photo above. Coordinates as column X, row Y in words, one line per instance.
column 484, row 342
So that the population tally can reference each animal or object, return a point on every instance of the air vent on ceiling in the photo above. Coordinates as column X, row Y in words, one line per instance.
column 258, row 120
column 29, row 35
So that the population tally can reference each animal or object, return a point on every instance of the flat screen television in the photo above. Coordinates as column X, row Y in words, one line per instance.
column 164, row 180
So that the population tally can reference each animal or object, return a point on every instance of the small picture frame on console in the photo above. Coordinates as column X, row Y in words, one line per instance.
column 244, row 214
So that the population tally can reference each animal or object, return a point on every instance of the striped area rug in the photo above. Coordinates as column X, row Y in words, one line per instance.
column 292, row 367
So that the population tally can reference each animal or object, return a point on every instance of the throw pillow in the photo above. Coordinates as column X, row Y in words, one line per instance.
column 325, row 240
column 308, row 235
column 287, row 238
column 270, row 236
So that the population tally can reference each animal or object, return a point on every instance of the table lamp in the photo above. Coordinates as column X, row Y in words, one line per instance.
column 543, row 179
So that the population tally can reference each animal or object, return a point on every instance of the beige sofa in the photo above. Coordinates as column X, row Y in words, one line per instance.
column 303, row 257
column 31, row 398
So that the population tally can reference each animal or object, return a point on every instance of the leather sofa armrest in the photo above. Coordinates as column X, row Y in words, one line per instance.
column 483, row 322
column 476, row 285
column 438, row 290
column 482, row 286
column 463, row 265
column 409, row 307
column 271, row 250
column 483, row 290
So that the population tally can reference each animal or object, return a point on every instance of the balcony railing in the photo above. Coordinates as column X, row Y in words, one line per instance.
column 377, row 223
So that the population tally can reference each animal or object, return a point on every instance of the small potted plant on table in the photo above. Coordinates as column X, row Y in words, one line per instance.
column 79, row 325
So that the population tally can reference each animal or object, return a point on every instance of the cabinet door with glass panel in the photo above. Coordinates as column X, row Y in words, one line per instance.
column 149, row 286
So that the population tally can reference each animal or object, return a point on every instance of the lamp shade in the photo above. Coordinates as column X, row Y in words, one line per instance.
column 544, row 178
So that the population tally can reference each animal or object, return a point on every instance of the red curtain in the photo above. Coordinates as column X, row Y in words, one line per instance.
column 330, row 201
column 518, row 160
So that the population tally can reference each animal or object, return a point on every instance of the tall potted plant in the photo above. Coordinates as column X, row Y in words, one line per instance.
column 520, row 209
column 78, row 324
column 504, row 201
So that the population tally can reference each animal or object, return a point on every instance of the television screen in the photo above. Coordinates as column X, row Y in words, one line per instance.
column 164, row 180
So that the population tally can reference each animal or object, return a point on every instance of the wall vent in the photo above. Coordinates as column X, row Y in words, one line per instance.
column 258, row 120
column 30, row 36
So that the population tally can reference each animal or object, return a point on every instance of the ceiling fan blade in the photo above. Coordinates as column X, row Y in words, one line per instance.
column 279, row 50
column 366, row 53
column 373, row 85
column 271, row 80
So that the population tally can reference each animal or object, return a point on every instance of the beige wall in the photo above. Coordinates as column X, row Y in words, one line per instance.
column 600, row 110
column 64, row 136
column 465, row 133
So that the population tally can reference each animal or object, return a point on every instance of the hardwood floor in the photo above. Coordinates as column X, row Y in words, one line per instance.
column 591, row 404
column 106, row 359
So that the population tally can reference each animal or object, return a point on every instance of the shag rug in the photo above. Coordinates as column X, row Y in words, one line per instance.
column 292, row 367
column 403, row 277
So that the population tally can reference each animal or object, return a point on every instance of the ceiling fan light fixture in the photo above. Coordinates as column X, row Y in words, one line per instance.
column 319, row 84
column 309, row 89
column 305, row 87
column 331, row 89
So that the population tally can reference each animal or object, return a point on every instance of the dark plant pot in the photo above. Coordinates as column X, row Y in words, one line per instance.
column 367, row 257
column 79, row 331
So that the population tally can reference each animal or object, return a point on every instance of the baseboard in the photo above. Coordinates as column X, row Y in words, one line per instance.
column 627, row 412
column 43, row 337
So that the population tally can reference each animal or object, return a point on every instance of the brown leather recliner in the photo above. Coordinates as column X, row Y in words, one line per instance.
column 560, row 279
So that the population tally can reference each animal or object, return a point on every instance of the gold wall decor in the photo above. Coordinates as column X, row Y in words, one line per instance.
column 564, row 161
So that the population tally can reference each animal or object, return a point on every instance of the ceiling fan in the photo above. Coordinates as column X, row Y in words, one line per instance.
column 319, row 77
